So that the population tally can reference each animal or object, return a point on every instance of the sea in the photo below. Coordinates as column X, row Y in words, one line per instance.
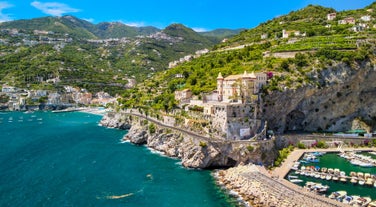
column 67, row 159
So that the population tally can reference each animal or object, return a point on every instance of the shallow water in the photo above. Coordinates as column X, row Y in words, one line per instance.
column 66, row 159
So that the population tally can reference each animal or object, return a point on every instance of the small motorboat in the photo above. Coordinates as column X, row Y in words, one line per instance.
column 354, row 180
column 296, row 180
column 361, row 181
column 338, row 195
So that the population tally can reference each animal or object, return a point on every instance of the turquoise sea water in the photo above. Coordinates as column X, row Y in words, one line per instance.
column 66, row 159
column 332, row 160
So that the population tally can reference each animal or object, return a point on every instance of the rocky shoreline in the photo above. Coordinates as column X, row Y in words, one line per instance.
column 194, row 151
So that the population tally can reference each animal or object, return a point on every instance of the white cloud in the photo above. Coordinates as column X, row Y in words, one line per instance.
column 200, row 29
column 134, row 24
column 89, row 19
column 4, row 17
column 54, row 8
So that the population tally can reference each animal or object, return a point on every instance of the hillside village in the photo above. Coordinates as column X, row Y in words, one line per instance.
column 18, row 99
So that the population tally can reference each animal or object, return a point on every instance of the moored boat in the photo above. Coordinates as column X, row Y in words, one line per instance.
column 354, row 180
column 361, row 201
column 372, row 204
column 361, row 181
column 338, row 195
column 343, row 179
column 296, row 180
column 369, row 181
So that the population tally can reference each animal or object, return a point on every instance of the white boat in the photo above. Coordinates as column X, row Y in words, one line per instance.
column 337, row 195
column 347, row 199
column 343, row 179
column 372, row 204
column 292, row 177
column 296, row 180
column 328, row 177
column 335, row 178
column 319, row 188
column 361, row 181
column 369, row 181
column 361, row 201
column 354, row 180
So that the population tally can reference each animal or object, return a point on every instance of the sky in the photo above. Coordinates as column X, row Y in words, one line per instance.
column 201, row 15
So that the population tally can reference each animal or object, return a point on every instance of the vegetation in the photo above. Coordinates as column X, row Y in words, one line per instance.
column 152, row 128
column 250, row 148
column 282, row 155
column 203, row 144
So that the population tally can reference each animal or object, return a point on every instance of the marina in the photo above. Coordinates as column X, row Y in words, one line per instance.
column 337, row 175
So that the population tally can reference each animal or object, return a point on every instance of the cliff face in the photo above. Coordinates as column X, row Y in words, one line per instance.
column 193, row 152
column 345, row 100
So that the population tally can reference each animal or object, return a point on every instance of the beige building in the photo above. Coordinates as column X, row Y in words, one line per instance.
column 184, row 95
column 235, row 88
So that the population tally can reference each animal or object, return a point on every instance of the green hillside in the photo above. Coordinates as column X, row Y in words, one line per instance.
column 314, row 43
column 29, row 58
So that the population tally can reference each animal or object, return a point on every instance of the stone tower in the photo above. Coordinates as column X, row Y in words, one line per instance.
column 220, row 86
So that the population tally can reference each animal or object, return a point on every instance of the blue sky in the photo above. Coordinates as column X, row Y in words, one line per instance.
column 197, row 14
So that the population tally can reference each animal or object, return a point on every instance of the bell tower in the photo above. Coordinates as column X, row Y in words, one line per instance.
column 220, row 86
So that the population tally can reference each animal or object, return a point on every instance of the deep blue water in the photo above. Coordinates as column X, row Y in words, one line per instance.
column 66, row 159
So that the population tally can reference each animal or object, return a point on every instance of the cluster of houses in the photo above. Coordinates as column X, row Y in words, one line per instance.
column 363, row 21
column 187, row 58
column 232, row 108
column 22, row 99
column 360, row 24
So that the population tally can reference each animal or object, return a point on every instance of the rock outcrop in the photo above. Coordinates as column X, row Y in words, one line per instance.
column 344, row 94
column 116, row 120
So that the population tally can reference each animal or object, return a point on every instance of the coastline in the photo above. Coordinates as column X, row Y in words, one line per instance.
column 95, row 111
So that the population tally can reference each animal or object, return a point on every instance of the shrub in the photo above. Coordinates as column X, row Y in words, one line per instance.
column 250, row 148
column 301, row 145
column 203, row 144
column 321, row 144
column 151, row 128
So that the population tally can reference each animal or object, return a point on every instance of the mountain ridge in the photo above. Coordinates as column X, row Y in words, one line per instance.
column 83, row 29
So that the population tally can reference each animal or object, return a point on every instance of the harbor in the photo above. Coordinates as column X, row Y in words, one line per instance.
column 346, row 176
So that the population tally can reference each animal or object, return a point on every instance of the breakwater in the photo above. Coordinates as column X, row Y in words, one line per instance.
column 255, row 188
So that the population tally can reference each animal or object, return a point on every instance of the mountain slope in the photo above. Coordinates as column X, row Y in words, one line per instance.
column 303, row 51
column 102, row 64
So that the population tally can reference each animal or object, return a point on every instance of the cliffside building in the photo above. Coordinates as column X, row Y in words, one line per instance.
column 240, row 87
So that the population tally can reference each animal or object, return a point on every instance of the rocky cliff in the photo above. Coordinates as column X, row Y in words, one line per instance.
column 344, row 99
column 194, row 152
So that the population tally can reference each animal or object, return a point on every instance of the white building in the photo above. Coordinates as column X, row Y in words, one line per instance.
column 331, row 16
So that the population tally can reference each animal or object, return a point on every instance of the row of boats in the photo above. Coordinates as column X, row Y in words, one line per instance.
column 358, row 159
column 352, row 200
column 335, row 175
column 340, row 196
